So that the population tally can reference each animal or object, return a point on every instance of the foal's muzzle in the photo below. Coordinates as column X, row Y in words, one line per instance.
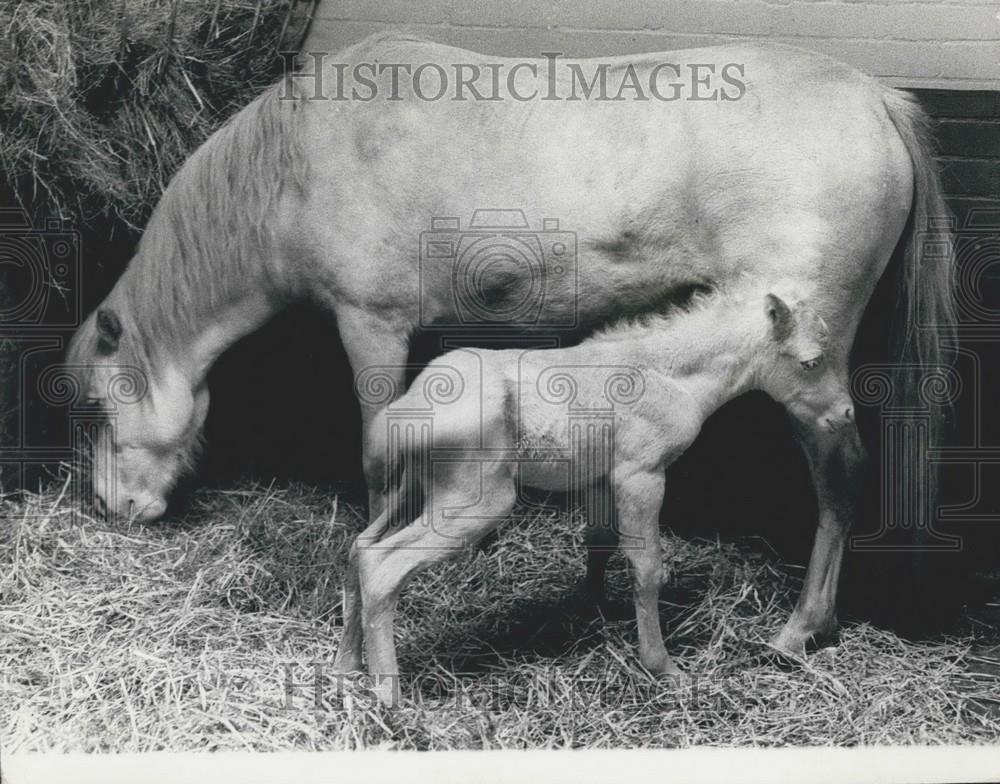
column 838, row 417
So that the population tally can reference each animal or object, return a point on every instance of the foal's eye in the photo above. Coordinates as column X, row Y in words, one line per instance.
column 811, row 364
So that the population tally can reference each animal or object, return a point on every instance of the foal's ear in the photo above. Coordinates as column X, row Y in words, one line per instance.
column 780, row 316
column 109, row 329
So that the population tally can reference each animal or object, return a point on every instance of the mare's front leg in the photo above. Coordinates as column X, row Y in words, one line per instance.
column 377, row 350
column 836, row 461
column 377, row 347
column 639, row 497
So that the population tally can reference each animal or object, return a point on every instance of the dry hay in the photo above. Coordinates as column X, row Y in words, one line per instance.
column 102, row 100
column 209, row 632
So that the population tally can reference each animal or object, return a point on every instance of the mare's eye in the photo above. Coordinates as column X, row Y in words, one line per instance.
column 812, row 364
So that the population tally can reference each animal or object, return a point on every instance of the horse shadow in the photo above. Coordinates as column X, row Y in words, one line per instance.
column 534, row 630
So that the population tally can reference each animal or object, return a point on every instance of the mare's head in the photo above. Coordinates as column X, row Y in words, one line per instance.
column 154, row 416
column 796, row 369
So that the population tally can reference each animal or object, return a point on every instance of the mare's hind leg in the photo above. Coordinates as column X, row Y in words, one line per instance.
column 639, row 498
column 468, row 500
column 836, row 461
column 377, row 349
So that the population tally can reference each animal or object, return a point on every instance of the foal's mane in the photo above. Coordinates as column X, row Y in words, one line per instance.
column 699, row 312
column 203, row 239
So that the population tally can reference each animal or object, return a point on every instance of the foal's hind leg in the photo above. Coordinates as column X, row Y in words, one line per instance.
column 453, row 520
column 836, row 461
column 351, row 638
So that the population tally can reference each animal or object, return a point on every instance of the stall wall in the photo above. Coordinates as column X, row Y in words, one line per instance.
column 952, row 44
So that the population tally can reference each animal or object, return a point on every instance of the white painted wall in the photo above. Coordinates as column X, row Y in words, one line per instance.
column 912, row 43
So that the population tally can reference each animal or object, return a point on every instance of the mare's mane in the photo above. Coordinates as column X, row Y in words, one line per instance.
column 204, row 236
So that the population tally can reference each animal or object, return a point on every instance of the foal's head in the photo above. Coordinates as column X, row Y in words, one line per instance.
column 154, row 417
column 795, row 369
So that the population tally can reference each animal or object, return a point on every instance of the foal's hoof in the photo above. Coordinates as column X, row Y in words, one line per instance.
column 793, row 644
column 678, row 679
column 347, row 662
column 786, row 650
column 666, row 671
column 386, row 690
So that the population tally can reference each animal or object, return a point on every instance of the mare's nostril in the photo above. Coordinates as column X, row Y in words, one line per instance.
column 849, row 413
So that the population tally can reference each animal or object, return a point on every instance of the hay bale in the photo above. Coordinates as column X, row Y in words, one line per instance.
column 102, row 100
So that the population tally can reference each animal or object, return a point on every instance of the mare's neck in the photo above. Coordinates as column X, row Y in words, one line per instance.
column 226, row 328
column 190, row 335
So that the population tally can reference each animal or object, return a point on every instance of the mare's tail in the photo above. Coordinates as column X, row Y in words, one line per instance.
column 917, row 297
column 926, row 316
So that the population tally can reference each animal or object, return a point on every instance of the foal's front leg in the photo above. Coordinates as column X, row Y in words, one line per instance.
column 836, row 462
column 639, row 497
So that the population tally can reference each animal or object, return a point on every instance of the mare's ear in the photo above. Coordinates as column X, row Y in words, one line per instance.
column 780, row 316
column 109, row 329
